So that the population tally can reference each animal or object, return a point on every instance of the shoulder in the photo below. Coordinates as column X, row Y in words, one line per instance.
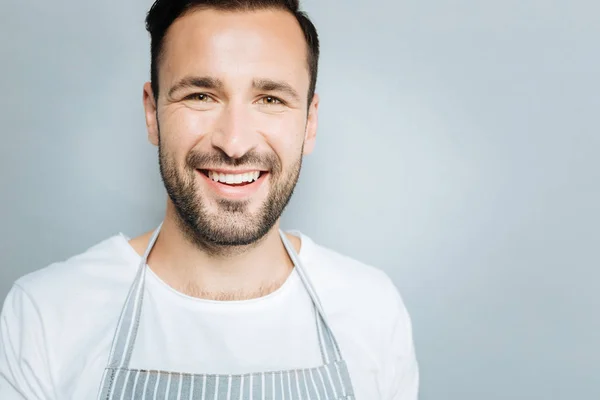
column 102, row 264
column 354, row 293
column 341, row 275
column 80, row 287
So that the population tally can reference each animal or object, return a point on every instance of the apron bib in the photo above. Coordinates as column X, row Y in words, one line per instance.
column 330, row 381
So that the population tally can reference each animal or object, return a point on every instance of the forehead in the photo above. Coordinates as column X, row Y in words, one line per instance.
column 235, row 46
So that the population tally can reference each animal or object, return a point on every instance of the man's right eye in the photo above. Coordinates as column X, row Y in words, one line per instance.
column 203, row 97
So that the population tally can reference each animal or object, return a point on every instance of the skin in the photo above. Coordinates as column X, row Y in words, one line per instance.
column 238, row 116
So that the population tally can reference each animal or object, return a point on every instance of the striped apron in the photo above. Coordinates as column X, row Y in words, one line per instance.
column 330, row 381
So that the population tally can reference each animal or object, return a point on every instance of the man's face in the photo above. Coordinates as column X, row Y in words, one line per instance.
column 231, row 121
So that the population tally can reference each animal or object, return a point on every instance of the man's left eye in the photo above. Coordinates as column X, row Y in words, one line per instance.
column 270, row 100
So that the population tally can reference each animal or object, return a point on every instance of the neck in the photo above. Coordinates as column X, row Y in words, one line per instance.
column 248, row 272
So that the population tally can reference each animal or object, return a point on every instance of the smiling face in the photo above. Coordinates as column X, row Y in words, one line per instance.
column 231, row 121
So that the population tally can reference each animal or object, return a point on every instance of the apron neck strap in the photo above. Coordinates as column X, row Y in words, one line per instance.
column 127, row 327
column 329, row 347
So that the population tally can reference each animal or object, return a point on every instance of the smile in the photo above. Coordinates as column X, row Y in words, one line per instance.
column 234, row 179
column 234, row 184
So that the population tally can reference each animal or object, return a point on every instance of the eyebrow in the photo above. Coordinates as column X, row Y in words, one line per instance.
column 207, row 82
column 269, row 85
column 203, row 82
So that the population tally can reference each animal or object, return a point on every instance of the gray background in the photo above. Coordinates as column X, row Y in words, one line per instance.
column 458, row 151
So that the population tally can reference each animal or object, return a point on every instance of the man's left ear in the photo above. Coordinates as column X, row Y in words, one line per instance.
column 311, row 125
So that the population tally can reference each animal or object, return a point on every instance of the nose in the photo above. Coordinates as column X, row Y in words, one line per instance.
column 234, row 134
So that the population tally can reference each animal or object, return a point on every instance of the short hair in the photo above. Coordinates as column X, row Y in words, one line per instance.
column 163, row 13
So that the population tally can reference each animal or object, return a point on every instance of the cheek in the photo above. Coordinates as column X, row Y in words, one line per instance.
column 184, row 123
column 285, row 134
column 181, row 129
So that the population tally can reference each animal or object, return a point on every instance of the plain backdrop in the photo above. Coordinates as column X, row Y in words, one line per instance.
column 458, row 150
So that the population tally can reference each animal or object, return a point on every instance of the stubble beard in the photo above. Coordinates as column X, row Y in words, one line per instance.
column 232, row 228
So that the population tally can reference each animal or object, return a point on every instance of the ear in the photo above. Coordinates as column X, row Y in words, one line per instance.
column 150, row 112
column 310, row 135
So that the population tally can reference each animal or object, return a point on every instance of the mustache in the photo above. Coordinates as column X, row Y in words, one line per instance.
column 252, row 160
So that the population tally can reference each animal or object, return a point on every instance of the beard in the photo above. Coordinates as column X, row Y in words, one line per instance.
column 232, row 224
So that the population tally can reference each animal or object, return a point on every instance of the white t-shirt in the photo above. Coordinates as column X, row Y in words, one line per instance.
column 58, row 323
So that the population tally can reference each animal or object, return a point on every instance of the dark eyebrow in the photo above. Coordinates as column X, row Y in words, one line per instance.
column 202, row 82
column 269, row 85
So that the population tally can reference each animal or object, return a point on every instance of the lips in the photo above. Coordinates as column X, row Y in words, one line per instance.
column 233, row 178
column 234, row 184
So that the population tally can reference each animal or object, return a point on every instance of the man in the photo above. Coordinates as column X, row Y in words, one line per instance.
column 217, row 302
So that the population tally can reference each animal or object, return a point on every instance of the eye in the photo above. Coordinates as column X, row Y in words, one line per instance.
column 202, row 97
column 270, row 100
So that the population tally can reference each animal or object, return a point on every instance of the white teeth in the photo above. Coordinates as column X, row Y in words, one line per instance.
column 234, row 179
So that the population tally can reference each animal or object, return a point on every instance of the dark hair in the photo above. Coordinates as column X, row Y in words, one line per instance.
column 164, row 12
